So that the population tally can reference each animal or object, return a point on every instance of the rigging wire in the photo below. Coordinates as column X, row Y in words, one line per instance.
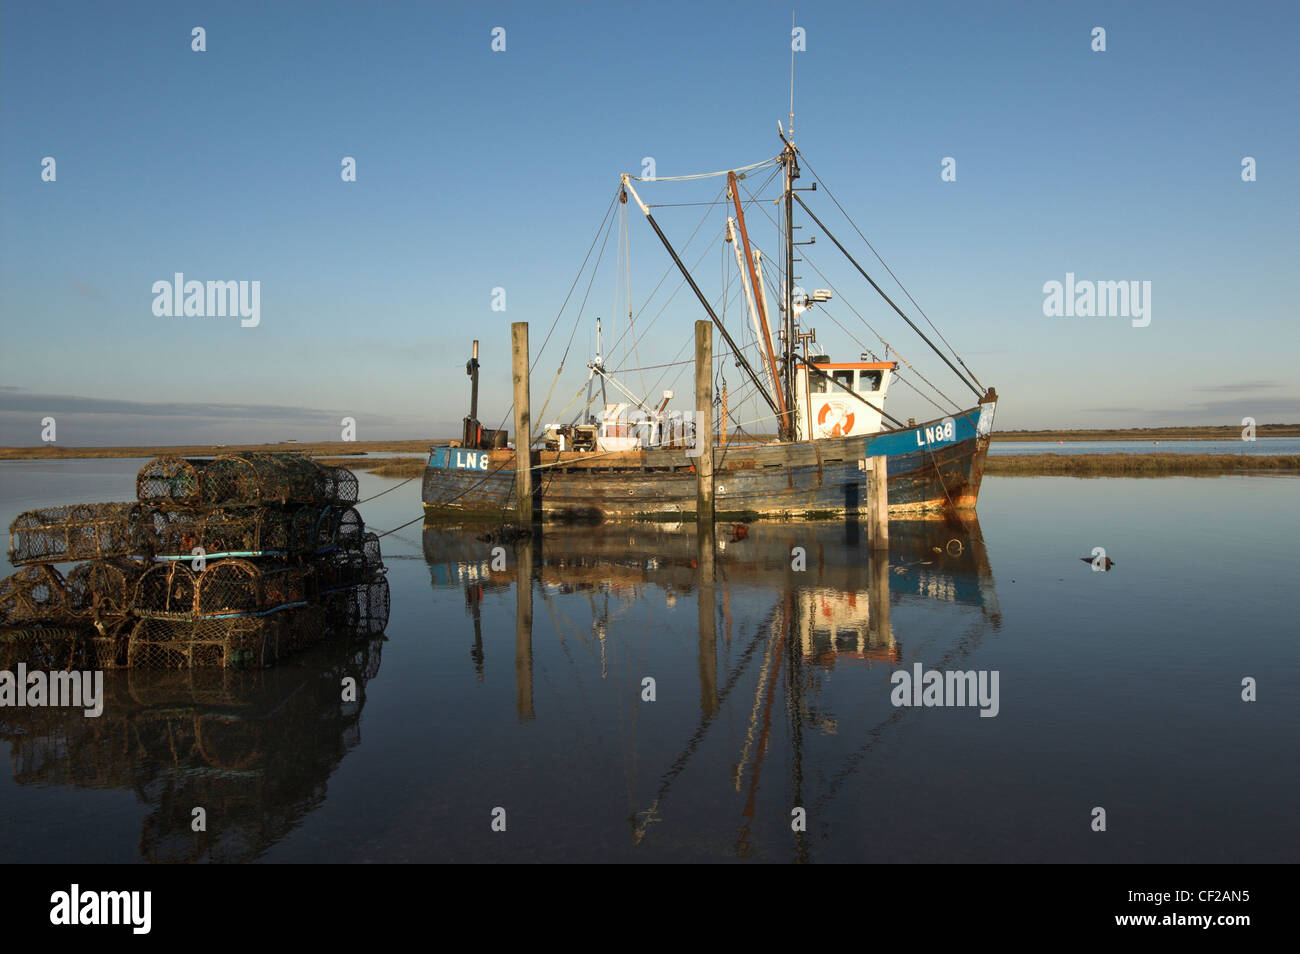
column 888, row 347
column 719, row 200
column 707, row 175
column 888, row 300
column 576, row 279
column 576, row 321
column 671, row 268
column 919, row 309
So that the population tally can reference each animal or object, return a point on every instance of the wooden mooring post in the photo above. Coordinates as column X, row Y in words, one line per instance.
column 704, row 426
column 877, row 504
column 523, row 423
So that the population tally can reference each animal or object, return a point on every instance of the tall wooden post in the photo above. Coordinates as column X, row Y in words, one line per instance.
column 704, row 423
column 878, row 505
column 523, row 423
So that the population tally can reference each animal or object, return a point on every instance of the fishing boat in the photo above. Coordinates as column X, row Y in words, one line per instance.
column 635, row 458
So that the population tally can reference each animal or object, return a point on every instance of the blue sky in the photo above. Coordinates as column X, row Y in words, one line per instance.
column 479, row 169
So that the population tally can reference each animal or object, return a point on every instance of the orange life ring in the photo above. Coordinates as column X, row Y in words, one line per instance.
column 836, row 431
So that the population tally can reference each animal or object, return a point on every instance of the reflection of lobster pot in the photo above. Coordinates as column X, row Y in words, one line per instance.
column 834, row 418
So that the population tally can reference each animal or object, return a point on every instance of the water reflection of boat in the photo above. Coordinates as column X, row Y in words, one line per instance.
column 928, row 560
column 817, row 600
column 254, row 749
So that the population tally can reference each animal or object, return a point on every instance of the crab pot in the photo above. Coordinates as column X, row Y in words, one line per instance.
column 242, row 531
column 33, row 593
column 73, row 532
column 349, row 530
column 169, row 478
column 110, row 643
column 104, row 589
column 166, row 589
column 232, row 642
column 234, row 587
column 359, row 611
column 225, row 588
column 245, row 479
column 103, row 531
column 349, row 567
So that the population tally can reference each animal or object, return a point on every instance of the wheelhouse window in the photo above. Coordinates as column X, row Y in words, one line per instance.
column 817, row 382
column 869, row 381
column 843, row 377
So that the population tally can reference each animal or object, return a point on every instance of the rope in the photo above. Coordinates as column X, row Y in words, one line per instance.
column 390, row 489
column 402, row 527
column 707, row 175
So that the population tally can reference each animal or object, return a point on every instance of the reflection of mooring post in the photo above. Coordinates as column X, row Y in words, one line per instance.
column 878, row 505
column 524, row 630
column 474, row 596
column 523, row 423
column 704, row 426
column 708, row 623
column 878, row 599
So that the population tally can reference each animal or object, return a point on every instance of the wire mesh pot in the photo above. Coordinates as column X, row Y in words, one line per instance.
column 31, row 594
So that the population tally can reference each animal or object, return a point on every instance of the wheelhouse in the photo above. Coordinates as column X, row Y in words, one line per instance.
column 841, row 399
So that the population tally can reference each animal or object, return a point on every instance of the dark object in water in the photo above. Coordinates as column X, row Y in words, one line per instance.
column 1104, row 563
column 506, row 533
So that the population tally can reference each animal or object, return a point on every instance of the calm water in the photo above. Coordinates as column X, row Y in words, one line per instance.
column 1263, row 445
column 1118, row 689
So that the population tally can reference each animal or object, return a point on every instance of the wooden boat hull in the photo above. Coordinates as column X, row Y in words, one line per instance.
column 933, row 468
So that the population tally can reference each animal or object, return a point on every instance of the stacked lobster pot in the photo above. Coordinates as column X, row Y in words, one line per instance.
column 233, row 562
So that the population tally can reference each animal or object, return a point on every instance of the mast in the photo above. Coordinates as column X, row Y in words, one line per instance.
column 791, row 173
column 783, row 422
column 768, row 359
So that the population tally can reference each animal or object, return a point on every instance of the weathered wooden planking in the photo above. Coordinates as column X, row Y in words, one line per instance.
column 808, row 479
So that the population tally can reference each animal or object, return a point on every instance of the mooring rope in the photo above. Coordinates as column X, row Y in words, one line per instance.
column 390, row 489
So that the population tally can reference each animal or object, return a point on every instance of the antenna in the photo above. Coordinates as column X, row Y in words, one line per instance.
column 792, row 29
